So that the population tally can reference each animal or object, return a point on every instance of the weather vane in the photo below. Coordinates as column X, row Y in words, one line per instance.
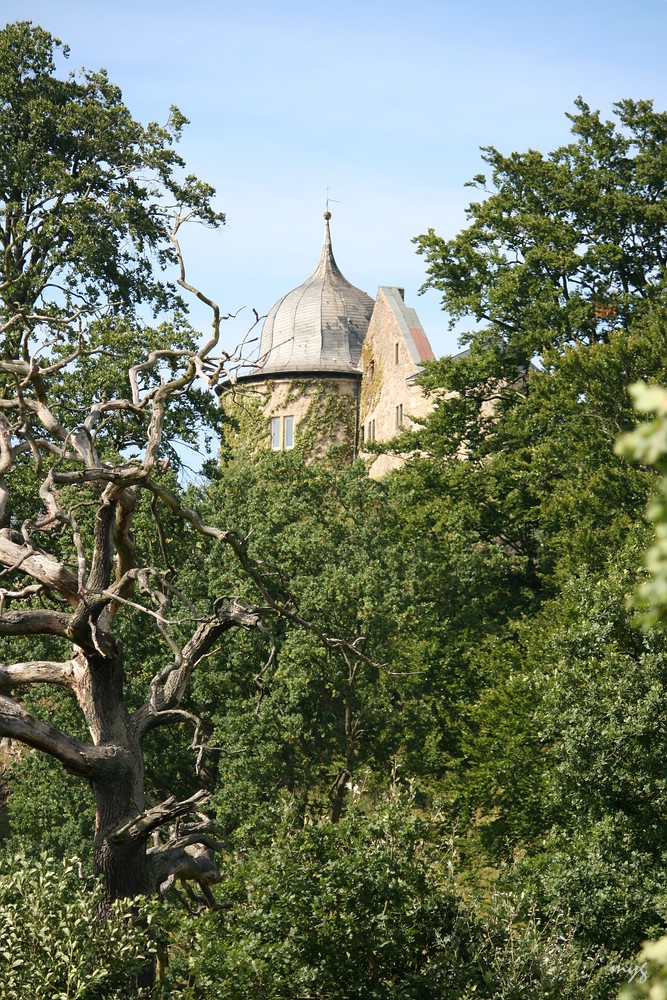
column 334, row 200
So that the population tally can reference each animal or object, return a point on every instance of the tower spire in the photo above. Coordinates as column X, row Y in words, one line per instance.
column 326, row 266
column 319, row 326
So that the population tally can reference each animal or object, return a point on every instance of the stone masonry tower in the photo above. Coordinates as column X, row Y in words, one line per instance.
column 336, row 369
column 306, row 381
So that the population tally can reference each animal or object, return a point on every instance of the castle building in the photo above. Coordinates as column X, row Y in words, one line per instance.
column 336, row 370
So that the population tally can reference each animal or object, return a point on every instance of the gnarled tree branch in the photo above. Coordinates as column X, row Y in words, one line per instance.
column 17, row 557
column 18, row 724
column 43, row 621
column 142, row 825
column 170, row 684
column 37, row 672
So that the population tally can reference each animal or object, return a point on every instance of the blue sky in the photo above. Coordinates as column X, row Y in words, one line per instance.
column 387, row 103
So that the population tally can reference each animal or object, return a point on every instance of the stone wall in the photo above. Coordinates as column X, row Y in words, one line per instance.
column 394, row 350
column 324, row 413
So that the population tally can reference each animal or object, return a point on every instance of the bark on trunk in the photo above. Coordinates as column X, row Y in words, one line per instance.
column 121, row 860
column 125, row 869
column 118, row 778
column 118, row 787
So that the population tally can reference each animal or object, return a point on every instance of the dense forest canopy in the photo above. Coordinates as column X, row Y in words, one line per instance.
column 397, row 740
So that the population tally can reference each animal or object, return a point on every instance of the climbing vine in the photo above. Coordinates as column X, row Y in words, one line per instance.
column 326, row 427
column 372, row 380
column 244, row 427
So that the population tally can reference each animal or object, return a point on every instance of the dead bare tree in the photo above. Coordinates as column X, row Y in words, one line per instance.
column 84, row 192
column 77, row 599
column 84, row 218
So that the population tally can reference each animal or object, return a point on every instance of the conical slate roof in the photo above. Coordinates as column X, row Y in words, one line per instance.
column 318, row 327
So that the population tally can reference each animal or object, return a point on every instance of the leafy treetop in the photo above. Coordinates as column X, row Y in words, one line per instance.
column 567, row 246
column 86, row 191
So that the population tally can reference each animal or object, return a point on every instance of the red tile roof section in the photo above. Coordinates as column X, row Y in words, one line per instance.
column 422, row 344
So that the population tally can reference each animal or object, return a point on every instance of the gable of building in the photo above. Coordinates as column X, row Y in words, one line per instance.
column 394, row 350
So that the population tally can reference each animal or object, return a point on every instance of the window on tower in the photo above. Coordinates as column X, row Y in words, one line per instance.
column 282, row 433
column 275, row 433
column 288, row 433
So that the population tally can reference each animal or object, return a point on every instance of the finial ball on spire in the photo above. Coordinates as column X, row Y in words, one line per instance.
column 327, row 215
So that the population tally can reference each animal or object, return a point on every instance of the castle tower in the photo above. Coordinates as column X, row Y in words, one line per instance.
column 306, row 380
column 336, row 369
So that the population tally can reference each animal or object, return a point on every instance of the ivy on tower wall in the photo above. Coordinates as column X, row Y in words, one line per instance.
column 325, row 419
column 327, row 428
column 371, row 385
column 244, row 427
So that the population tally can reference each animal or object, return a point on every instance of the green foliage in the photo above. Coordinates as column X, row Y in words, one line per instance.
column 647, row 974
column 368, row 908
column 542, row 477
column 84, row 188
column 562, row 788
column 561, row 264
column 559, row 778
column 566, row 247
column 47, row 810
column 53, row 947
column 295, row 725
column 367, row 564
column 648, row 444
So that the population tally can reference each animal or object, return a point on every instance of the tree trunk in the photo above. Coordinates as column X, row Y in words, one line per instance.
column 118, row 785
column 118, row 779
column 120, row 859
